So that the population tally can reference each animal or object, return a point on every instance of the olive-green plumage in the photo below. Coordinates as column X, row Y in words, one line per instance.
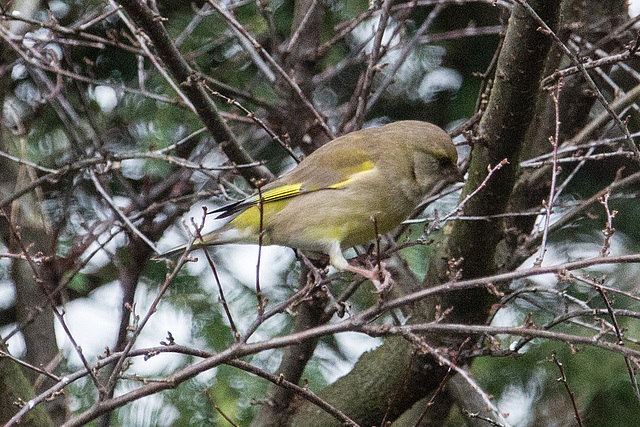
column 327, row 202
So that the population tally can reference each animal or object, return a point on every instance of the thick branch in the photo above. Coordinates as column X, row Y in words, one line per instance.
column 202, row 103
column 502, row 130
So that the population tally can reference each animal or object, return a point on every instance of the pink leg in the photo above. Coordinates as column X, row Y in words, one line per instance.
column 380, row 278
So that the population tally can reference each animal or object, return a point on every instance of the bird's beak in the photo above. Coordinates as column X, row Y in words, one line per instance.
column 455, row 175
column 459, row 175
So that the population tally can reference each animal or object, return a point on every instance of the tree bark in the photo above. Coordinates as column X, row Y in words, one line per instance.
column 364, row 394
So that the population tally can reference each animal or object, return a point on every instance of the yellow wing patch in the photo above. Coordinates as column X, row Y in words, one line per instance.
column 272, row 201
column 361, row 168
column 287, row 191
column 291, row 190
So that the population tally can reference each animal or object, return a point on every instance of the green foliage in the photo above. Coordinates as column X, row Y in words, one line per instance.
column 598, row 379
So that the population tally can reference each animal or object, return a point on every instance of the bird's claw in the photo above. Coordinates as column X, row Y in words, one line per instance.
column 381, row 279
column 378, row 275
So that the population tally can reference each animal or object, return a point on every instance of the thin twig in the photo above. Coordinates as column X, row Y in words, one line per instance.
column 563, row 380
column 235, row 24
column 117, row 370
column 223, row 300
column 190, row 28
column 301, row 27
column 153, row 58
column 584, row 157
column 608, row 231
column 623, row 127
column 422, row 344
column 374, row 57
column 15, row 235
column 219, row 410
column 555, row 95
column 300, row 391
column 260, row 301
column 130, row 225
column 406, row 50
column 27, row 365
column 568, row 217
column 260, row 123
column 618, row 331
column 460, row 206
column 442, row 383
column 348, row 28
column 90, row 23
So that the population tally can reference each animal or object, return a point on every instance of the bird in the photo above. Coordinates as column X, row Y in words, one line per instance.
column 330, row 200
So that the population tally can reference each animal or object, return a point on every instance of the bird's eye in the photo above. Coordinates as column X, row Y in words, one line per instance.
column 444, row 162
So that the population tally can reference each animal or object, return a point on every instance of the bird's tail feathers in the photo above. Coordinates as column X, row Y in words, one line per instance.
column 171, row 252
column 232, row 208
column 217, row 237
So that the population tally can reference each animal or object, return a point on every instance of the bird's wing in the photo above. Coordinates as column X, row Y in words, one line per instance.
column 321, row 170
column 280, row 192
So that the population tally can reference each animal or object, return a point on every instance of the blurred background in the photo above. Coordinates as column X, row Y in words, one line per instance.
column 94, row 130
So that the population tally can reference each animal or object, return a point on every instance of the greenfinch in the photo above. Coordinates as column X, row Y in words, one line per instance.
column 330, row 201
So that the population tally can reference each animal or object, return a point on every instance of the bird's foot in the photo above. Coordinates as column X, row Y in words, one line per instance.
column 381, row 273
column 379, row 276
